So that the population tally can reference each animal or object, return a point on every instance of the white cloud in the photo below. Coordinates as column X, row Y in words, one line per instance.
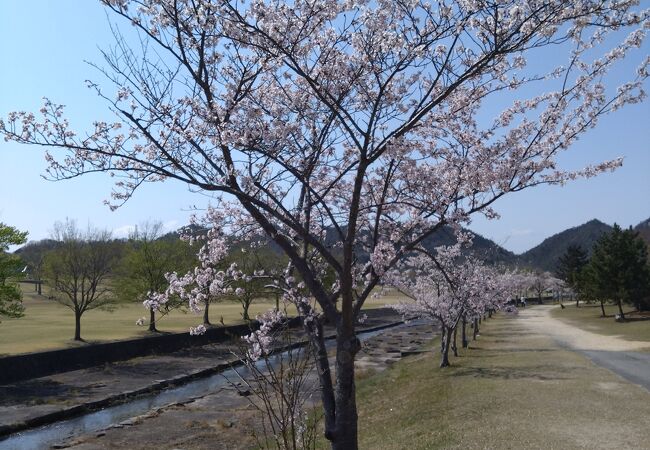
column 123, row 231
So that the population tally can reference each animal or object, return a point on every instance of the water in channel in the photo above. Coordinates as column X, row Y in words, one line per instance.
column 45, row 436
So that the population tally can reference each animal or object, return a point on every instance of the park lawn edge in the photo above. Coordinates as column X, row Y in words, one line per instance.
column 510, row 389
column 588, row 317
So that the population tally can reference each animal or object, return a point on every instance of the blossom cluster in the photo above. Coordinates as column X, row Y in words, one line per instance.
column 260, row 341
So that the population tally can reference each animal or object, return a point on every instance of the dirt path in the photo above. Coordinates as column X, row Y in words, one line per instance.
column 621, row 356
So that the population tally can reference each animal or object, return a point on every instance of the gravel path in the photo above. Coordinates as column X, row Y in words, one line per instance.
column 612, row 352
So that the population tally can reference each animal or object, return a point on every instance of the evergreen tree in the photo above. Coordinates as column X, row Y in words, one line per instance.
column 10, row 265
column 618, row 269
column 570, row 266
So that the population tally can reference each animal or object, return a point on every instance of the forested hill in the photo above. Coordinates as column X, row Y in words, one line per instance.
column 482, row 248
column 644, row 230
column 542, row 257
column 545, row 255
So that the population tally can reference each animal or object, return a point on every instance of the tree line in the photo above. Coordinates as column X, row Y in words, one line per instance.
column 85, row 269
column 617, row 271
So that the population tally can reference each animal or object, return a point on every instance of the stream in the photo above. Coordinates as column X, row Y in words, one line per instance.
column 47, row 435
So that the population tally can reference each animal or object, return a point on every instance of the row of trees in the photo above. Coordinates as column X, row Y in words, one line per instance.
column 85, row 269
column 618, row 270
column 451, row 291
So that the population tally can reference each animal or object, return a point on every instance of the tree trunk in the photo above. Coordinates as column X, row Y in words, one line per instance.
column 77, row 326
column 345, row 433
column 314, row 330
column 454, row 343
column 602, row 308
column 620, row 308
column 577, row 301
column 489, row 313
column 40, row 287
column 475, row 329
column 446, row 340
column 152, row 320
column 206, row 314
column 246, row 304
column 443, row 335
column 464, row 341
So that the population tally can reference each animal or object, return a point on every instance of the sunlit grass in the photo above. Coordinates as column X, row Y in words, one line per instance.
column 588, row 317
column 510, row 390
column 49, row 325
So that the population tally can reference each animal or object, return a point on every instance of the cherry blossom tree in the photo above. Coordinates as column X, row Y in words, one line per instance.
column 445, row 289
column 206, row 283
column 540, row 282
column 347, row 128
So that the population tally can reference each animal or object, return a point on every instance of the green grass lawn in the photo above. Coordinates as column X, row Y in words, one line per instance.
column 49, row 325
column 510, row 390
column 588, row 317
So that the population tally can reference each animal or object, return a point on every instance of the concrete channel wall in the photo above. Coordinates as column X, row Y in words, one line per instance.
column 33, row 365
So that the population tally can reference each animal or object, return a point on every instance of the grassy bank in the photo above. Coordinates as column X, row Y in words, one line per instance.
column 49, row 325
column 588, row 317
column 510, row 390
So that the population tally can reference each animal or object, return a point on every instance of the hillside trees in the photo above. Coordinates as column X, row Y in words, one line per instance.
column 10, row 269
column 336, row 127
column 618, row 270
column 77, row 270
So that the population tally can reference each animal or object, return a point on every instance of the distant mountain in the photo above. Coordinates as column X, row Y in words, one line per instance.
column 546, row 254
column 542, row 257
column 644, row 230
column 482, row 248
column 188, row 230
column 34, row 249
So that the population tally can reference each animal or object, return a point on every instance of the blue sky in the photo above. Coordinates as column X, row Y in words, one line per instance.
column 45, row 44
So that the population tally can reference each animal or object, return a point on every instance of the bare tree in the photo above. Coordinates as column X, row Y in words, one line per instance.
column 78, row 269
column 282, row 386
